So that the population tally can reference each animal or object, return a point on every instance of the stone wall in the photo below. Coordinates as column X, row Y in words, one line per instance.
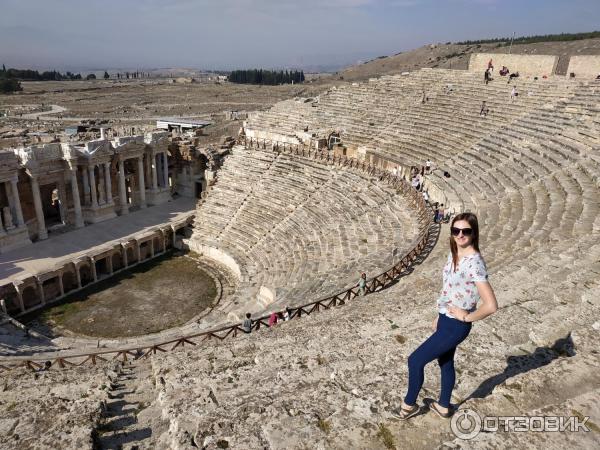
column 587, row 66
column 535, row 65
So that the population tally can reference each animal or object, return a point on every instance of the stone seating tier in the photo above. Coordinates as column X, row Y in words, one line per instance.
column 301, row 228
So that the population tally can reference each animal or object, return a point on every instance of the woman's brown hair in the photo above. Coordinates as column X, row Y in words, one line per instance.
column 472, row 220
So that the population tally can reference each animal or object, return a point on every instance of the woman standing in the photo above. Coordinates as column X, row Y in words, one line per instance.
column 465, row 282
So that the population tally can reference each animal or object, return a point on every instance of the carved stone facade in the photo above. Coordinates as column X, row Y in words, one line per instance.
column 53, row 186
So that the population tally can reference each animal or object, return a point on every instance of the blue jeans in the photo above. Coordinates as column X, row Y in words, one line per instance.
column 441, row 345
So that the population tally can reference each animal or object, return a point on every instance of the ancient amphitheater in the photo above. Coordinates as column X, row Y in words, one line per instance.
column 298, row 208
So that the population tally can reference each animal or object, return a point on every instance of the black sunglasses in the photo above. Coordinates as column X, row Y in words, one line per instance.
column 456, row 231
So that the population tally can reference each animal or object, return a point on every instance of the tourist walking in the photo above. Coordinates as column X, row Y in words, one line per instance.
column 362, row 285
column 465, row 282
column 486, row 76
column 247, row 323
column 514, row 93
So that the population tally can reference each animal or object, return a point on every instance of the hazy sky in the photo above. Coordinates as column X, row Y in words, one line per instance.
column 260, row 33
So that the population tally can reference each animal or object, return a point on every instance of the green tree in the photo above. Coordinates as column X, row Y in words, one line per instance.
column 9, row 85
column 91, row 76
column 106, row 75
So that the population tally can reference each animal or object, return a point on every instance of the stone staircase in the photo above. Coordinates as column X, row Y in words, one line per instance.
column 130, row 419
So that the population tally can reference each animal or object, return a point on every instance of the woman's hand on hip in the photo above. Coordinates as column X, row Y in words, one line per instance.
column 457, row 313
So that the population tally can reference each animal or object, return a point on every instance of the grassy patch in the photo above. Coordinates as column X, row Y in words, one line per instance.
column 591, row 425
column 510, row 398
column 401, row 339
column 324, row 425
column 386, row 437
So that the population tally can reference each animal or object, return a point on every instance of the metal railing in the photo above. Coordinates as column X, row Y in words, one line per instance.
column 374, row 284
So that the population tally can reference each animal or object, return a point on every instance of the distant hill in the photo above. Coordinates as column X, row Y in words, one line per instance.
column 456, row 56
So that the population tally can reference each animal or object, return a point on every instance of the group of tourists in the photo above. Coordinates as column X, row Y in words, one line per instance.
column 440, row 215
column 487, row 76
column 274, row 317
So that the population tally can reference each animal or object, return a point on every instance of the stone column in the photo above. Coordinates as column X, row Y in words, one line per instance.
column 20, row 298
column 166, row 169
column 17, row 202
column 78, row 275
column 76, row 200
column 40, row 286
column 109, row 264
column 108, row 183
column 86, row 187
column 154, row 174
column 123, row 188
column 61, row 286
column 152, row 248
column 62, row 205
column 93, row 186
column 101, row 190
column 141, row 181
column 39, row 211
column 125, row 262
column 93, row 269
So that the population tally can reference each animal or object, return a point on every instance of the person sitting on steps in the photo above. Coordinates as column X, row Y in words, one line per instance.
column 465, row 282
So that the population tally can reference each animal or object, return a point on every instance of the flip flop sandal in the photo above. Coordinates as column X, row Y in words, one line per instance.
column 434, row 407
column 404, row 414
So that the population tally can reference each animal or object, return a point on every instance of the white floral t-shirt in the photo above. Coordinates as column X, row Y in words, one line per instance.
column 459, row 287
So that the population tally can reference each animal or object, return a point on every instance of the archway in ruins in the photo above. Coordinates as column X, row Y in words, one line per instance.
column 85, row 274
column 30, row 297
column 69, row 280
column 145, row 250
column 51, row 289
column 11, row 300
column 131, row 256
column 117, row 261
column 102, row 267
column 169, row 239
column 158, row 246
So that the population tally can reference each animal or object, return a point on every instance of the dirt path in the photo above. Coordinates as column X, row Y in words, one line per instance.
column 55, row 109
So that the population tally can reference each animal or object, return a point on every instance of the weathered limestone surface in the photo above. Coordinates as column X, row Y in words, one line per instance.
column 584, row 66
column 328, row 381
column 537, row 65
column 53, row 409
